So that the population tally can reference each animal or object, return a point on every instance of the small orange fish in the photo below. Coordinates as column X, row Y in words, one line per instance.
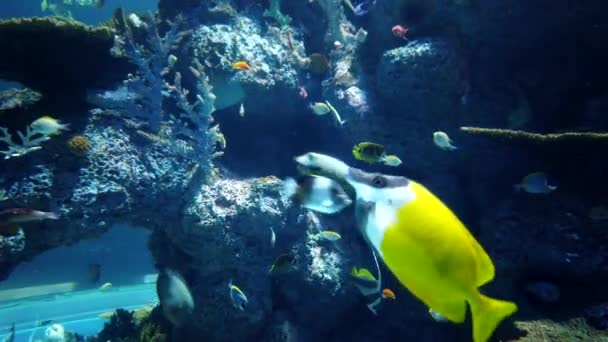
column 388, row 294
column 241, row 65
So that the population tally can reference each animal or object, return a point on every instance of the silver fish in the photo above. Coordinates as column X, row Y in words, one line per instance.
column 174, row 296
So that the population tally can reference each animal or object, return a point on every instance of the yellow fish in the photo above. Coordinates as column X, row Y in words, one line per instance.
column 423, row 243
column 330, row 235
column 368, row 152
column 362, row 273
column 241, row 65
column 429, row 250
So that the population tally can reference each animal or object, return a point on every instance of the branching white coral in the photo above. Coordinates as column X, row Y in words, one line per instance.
column 29, row 142
column 195, row 117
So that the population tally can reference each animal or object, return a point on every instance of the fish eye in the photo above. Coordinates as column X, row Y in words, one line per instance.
column 379, row 182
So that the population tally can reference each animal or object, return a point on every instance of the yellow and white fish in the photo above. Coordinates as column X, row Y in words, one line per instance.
column 443, row 141
column 319, row 108
column 391, row 160
column 329, row 235
column 238, row 298
column 47, row 125
column 423, row 243
column 322, row 108
column 171, row 60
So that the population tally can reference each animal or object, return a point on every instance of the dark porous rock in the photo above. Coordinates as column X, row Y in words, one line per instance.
column 225, row 236
column 58, row 57
column 420, row 76
column 116, row 178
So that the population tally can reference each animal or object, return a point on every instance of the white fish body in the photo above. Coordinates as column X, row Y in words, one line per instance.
column 47, row 125
column 391, row 160
column 242, row 111
column 273, row 237
column 335, row 113
column 443, row 141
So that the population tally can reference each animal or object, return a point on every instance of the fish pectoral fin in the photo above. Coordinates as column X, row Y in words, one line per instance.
column 453, row 310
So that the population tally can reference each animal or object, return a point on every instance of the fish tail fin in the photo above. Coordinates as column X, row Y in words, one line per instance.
column 487, row 314
column 518, row 187
column 51, row 216
column 290, row 187
column 64, row 127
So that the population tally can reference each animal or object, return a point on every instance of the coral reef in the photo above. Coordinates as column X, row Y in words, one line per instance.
column 141, row 94
column 344, row 87
column 153, row 139
column 408, row 75
column 547, row 330
column 77, row 54
column 225, row 233
column 29, row 142
column 120, row 327
column 10, row 246
column 144, row 325
column 274, row 11
column 221, row 45
column 17, row 98
column 79, row 145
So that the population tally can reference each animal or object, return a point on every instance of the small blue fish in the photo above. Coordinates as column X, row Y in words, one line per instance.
column 238, row 298
column 535, row 183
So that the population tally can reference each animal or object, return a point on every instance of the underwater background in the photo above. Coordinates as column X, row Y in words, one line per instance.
column 257, row 170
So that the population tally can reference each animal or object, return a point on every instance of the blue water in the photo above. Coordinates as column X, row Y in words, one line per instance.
column 77, row 311
column 71, row 263
column 89, row 15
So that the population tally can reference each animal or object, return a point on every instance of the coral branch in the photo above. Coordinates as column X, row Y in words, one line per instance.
column 274, row 11
column 29, row 142
column 535, row 137
column 195, row 118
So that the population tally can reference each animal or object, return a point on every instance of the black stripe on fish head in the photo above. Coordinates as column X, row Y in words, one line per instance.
column 363, row 211
column 377, row 180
